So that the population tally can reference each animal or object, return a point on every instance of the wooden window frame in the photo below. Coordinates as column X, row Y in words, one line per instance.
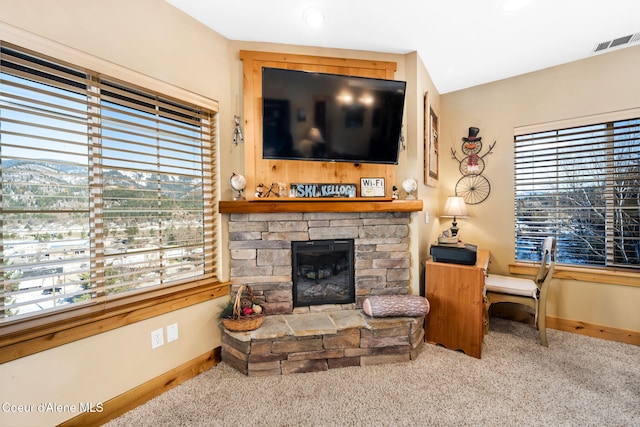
column 26, row 336
column 610, row 272
column 595, row 275
column 34, row 335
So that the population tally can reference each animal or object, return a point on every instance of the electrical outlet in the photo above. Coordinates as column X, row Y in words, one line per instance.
column 172, row 332
column 157, row 338
column 426, row 217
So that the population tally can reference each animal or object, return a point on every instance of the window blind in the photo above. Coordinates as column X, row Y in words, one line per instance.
column 106, row 187
column 581, row 185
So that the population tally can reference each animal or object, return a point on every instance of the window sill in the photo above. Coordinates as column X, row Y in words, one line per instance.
column 611, row 277
column 30, row 336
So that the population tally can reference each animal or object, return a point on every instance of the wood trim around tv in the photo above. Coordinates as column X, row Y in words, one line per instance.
column 267, row 172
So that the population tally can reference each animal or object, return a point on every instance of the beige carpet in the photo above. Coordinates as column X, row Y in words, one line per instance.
column 577, row 381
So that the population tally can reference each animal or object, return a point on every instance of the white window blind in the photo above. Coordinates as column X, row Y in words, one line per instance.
column 581, row 185
column 106, row 188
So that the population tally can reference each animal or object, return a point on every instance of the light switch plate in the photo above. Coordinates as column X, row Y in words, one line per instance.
column 172, row 332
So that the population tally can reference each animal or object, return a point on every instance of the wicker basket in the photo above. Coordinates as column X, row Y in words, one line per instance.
column 239, row 323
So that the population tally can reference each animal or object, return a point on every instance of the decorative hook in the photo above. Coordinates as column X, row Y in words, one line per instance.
column 403, row 144
column 237, row 131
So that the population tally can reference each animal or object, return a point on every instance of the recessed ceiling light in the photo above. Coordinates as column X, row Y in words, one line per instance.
column 513, row 5
column 313, row 17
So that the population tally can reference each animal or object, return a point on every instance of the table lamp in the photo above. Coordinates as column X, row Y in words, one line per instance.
column 455, row 207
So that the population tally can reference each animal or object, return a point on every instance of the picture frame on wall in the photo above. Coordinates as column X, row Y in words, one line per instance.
column 431, row 144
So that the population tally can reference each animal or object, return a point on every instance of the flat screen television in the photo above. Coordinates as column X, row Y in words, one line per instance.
column 330, row 117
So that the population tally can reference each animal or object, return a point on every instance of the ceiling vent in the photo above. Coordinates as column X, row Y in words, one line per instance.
column 619, row 42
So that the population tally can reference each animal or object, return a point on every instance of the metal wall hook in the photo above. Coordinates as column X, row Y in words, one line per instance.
column 237, row 131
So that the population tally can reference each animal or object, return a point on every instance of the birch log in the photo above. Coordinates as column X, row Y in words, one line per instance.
column 396, row 305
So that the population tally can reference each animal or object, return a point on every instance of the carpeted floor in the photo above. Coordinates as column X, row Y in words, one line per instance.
column 577, row 381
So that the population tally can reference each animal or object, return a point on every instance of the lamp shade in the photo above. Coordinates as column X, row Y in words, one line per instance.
column 455, row 207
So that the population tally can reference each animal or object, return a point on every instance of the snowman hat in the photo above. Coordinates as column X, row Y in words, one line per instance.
column 473, row 135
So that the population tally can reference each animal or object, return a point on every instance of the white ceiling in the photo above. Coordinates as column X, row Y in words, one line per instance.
column 462, row 43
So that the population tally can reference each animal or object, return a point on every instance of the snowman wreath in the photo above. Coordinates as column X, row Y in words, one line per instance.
column 473, row 187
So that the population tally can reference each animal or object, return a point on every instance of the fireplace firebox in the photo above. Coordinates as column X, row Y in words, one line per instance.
column 323, row 272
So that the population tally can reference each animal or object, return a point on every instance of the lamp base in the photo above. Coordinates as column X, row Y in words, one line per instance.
column 453, row 240
column 454, row 227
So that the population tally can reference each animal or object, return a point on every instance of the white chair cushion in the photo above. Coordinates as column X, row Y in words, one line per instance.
column 510, row 285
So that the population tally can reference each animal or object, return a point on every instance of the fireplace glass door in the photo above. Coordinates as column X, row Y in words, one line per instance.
column 323, row 272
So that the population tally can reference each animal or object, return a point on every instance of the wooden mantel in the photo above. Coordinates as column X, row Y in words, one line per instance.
column 315, row 205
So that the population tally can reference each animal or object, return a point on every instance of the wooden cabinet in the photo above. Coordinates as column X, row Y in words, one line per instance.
column 456, row 314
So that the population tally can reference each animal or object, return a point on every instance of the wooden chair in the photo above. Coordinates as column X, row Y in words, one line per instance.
column 531, row 293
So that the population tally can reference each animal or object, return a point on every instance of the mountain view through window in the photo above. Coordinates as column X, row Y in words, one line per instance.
column 106, row 187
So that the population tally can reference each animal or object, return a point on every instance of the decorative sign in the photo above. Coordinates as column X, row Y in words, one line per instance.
column 372, row 187
column 323, row 190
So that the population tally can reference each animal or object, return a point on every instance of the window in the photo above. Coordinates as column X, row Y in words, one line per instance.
column 107, row 188
column 582, row 185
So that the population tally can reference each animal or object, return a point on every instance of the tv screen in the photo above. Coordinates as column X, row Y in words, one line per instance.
column 330, row 117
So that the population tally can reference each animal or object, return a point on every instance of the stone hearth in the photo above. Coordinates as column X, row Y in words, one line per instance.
column 312, row 342
column 260, row 245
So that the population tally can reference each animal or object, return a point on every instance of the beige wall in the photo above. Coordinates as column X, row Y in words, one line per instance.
column 153, row 38
column 99, row 368
column 426, row 224
column 600, row 84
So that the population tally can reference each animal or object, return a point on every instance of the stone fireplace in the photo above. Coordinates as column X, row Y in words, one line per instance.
column 262, row 256
column 302, row 336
